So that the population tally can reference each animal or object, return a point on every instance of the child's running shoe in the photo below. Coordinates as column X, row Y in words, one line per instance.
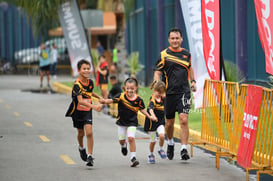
column 124, row 150
column 90, row 161
column 83, row 154
column 170, row 152
column 151, row 159
column 162, row 153
column 134, row 162
column 184, row 154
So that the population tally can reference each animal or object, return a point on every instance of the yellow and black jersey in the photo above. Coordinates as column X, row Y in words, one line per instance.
column 175, row 66
column 158, row 107
column 75, row 110
column 128, row 109
column 79, row 88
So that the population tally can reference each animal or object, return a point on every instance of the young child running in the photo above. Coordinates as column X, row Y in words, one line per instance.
column 129, row 103
column 81, row 110
column 156, row 109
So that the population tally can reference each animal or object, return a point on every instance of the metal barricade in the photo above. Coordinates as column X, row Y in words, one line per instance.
column 219, row 106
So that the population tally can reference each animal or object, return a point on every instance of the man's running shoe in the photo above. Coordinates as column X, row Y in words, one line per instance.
column 134, row 162
column 170, row 151
column 90, row 161
column 162, row 154
column 124, row 150
column 184, row 154
column 151, row 159
column 83, row 154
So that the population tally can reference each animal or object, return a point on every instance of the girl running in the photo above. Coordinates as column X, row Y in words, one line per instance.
column 129, row 103
column 156, row 109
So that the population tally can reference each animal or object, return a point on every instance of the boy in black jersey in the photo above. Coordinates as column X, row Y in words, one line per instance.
column 175, row 65
column 115, row 90
column 81, row 109
column 129, row 103
column 156, row 109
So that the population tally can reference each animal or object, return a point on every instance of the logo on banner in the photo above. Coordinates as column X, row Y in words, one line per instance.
column 74, row 33
column 211, row 37
column 250, row 124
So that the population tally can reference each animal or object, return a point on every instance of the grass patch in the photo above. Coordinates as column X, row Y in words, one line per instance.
column 145, row 93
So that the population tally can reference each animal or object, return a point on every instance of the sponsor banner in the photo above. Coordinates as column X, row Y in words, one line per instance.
column 74, row 33
column 191, row 10
column 249, row 127
column 264, row 14
column 211, row 36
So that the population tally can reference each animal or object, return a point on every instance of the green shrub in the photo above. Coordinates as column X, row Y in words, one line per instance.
column 233, row 72
column 133, row 62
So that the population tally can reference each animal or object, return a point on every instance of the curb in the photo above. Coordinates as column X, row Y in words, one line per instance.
column 61, row 88
column 193, row 135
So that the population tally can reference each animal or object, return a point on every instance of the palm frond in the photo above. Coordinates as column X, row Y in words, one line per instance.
column 44, row 13
column 134, row 63
column 233, row 72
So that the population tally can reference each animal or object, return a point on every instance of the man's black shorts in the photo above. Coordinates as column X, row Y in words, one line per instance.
column 80, row 123
column 45, row 68
column 180, row 103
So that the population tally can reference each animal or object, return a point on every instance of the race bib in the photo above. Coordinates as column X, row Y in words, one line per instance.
column 82, row 107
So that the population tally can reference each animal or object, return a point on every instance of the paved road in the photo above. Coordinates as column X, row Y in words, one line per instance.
column 38, row 143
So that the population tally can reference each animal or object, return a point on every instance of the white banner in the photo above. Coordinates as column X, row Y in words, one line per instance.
column 74, row 33
column 191, row 10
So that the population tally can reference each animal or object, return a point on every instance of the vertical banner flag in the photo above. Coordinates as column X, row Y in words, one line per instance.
column 249, row 127
column 211, row 36
column 191, row 10
column 264, row 15
column 74, row 33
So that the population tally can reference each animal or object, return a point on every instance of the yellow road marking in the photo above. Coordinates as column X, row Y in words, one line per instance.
column 67, row 159
column 16, row 114
column 28, row 124
column 8, row 106
column 44, row 138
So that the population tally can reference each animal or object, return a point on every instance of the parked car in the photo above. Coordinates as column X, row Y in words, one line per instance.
column 30, row 55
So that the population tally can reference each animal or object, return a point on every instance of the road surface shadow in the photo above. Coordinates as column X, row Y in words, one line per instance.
column 41, row 91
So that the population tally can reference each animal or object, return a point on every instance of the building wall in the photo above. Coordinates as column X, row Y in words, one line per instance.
column 143, row 27
column 15, row 32
column 256, row 57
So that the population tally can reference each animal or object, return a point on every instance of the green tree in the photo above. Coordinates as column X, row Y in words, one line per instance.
column 44, row 13
column 128, row 5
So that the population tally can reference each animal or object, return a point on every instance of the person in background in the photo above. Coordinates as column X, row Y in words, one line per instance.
column 114, row 66
column 54, row 62
column 100, row 48
column 44, row 64
column 115, row 57
column 102, row 76
column 116, row 87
